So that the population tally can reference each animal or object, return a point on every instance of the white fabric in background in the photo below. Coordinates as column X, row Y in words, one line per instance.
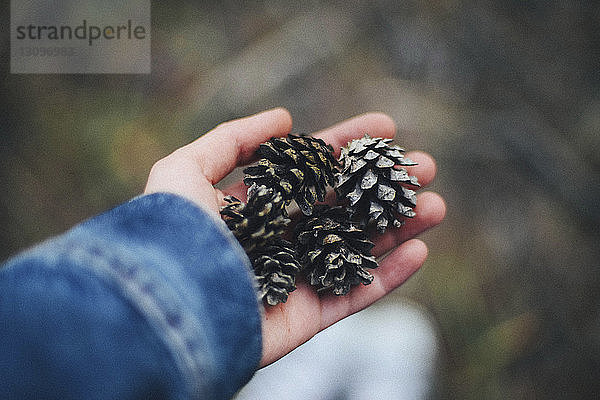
column 387, row 351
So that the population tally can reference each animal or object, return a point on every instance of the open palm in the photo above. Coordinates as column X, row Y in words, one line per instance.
column 193, row 170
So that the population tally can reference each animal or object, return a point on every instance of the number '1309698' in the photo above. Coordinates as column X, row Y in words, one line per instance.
column 54, row 51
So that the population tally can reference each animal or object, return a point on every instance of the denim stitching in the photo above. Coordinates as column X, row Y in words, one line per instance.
column 148, row 294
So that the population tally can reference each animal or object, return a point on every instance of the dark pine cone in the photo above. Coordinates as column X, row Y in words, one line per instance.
column 334, row 253
column 258, row 221
column 371, row 179
column 299, row 167
column 258, row 226
column 275, row 266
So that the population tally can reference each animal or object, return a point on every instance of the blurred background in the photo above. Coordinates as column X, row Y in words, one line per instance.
column 504, row 94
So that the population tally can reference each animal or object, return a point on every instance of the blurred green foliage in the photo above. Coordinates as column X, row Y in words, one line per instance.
column 504, row 94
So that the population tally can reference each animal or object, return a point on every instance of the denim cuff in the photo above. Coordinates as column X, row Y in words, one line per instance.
column 158, row 267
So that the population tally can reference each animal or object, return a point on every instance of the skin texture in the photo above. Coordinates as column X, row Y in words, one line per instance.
column 192, row 170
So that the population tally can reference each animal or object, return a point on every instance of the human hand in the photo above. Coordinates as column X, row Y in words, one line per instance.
column 193, row 170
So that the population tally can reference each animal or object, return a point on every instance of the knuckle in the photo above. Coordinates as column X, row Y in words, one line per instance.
column 155, row 169
column 160, row 165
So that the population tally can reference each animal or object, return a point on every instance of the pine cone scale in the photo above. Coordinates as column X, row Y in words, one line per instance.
column 369, row 180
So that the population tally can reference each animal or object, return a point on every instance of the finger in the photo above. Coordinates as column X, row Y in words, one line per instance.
column 374, row 123
column 378, row 125
column 425, row 170
column 219, row 151
column 430, row 210
column 238, row 190
column 394, row 270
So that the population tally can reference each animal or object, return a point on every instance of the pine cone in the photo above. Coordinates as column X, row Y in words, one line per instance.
column 299, row 167
column 258, row 221
column 334, row 253
column 275, row 266
column 371, row 180
column 258, row 226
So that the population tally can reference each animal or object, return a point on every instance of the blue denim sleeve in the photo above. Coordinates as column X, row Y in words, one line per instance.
column 153, row 299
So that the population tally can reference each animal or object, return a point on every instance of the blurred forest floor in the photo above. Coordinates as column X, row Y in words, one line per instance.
column 504, row 94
